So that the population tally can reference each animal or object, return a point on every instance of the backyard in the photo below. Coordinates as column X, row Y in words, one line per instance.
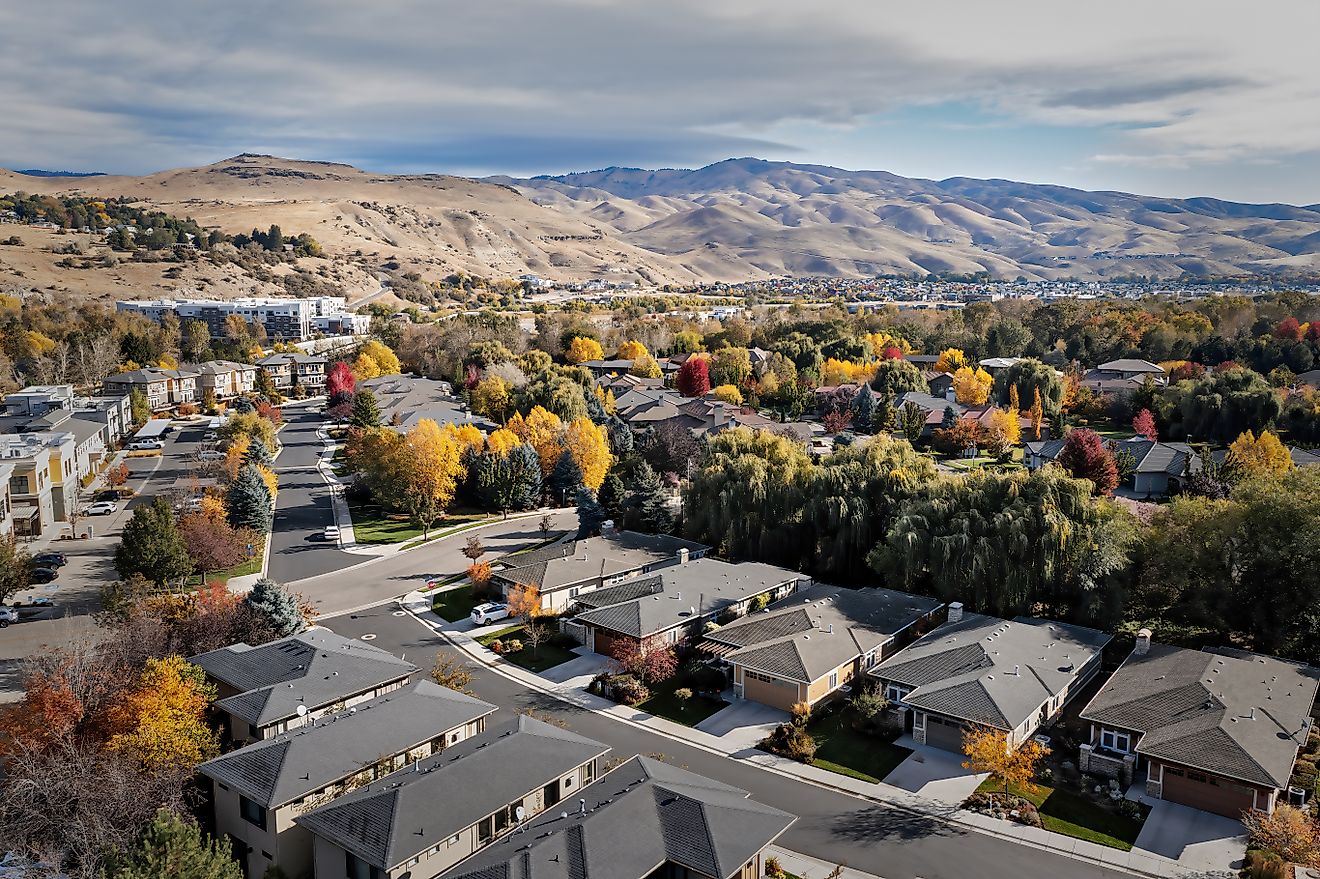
column 1076, row 815
column 547, row 655
column 841, row 748
column 690, row 712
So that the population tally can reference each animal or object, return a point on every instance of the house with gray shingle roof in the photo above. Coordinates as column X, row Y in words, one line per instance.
column 807, row 646
column 1159, row 466
column 645, row 818
column 425, row 818
column 258, row 790
column 1128, row 368
column 287, row 683
column 1214, row 729
column 974, row 670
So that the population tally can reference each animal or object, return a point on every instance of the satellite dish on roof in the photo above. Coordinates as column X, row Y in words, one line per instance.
column 302, row 710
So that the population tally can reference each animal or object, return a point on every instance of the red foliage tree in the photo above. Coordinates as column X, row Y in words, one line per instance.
column 270, row 413
column 1144, row 424
column 1289, row 328
column 1313, row 331
column 1085, row 457
column 835, row 421
column 1227, row 365
column 340, row 383
column 693, row 377
column 652, row 666
column 965, row 434
column 891, row 352
column 1187, row 371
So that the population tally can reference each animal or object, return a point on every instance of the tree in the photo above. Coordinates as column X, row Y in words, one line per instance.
column 1014, row 400
column 377, row 360
column 138, row 407
column 366, row 412
column 540, row 429
column 161, row 720
column 670, row 447
column 964, row 436
column 632, row 350
column 590, row 448
column 257, row 453
column 730, row 366
column 651, row 664
column 473, row 548
column 152, row 546
column 645, row 505
column 265, row 386
column 728, row 394
column 582, row 348
column 535, row 634
column 645, row 367
column 1287, row 832
column 117, row 476
column 510, row 481
column 422, row 473
column 1037, row 413
column 339, row 384
column 1003, row 430
column 524, row 601
column 1031, row 376
column 280, row 609
column 1251, row 456
column 619, row 434
column 893, row 378
column 1220, row 406
column 1084, row 456
column 591, row 515
column 972, row 387
column 492, row 397
column 249, row 500
column 912, row 421
column 173, row 847
column 863, row 407
column 988, row 750
column 566, row 478
column 15, row 567
column 214, row 544
column 451, row 673
column 693, row 379
column 951, row 360
column 1143, row 423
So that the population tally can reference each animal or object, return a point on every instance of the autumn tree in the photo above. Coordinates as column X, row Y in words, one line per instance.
column 151, row 545
column 1143, row 424
column 951, row 360
column 15, row 567
column 1251, row 456
column 540, row 429
column 1084, row 456
column 632, row 350
column 693, row 379
column 728, row 394
column 972, row 387
column 161, row 720
column 1031, row 377
column 492, row 397
column 473, row 548
column 339, row 384
column 214, row 544
column 1002, row 431
column 171, row 846
column 423, row 473
column 1288, row 833
column 590, row 448
column 451, row 673
column 1037, row 414
column 965, row 435
column 987, row 750
column 583, row 348
column 524, row 601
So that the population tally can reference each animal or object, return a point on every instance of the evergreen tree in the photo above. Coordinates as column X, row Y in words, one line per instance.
column 591, row 515
column 566, row 478
column 150, row 545
column 265, row 386
column 277, row 606
column 620, row 436
column 611, row 495
column 950, row 418
column 173, row 847
column 646, row 506
column 257, row 453
column 595, row 409
column 864, row 409
column 249, row 501
column 366, row 412
column 509, row 482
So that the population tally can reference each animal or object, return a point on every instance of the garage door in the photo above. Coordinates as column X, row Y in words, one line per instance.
column 1200, row 791
column 942, row 733
column 776, row 694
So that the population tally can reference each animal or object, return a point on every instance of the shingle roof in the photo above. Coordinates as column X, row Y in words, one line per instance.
column 640, row 816
column 294, row 764
column 633, row 589
column 992, row 671
column 564, row 564
column 1228, row 712
column 1131, row 365
column 407, row 812
column 314, row 669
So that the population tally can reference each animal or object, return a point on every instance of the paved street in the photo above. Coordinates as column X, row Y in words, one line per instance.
column 832, row 826
column 302, row 510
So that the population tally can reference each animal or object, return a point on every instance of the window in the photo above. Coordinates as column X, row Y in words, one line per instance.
column 919, row 721
column 550, row 794
column 895, row 693
column 834, row 680
column 253, row 813
column 590, row 771
column 1196, row 776
column 1118, row 742
column 486, row 829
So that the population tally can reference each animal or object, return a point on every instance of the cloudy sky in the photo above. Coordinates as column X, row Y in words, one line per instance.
column 1167, row 97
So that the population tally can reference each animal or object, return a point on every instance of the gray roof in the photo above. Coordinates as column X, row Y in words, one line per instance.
column 641, row 815
column 1131, row 365
column 632, row 589
column 285, row 357
column 407, row 812
column 214, row 367
column 564, row 564
column 1304, row 457
column 1228, row 712
column 1311, row 378
column 314, row 669
column 992, row 671
column 292, row 765
column 1156, row 457
column 813, row 632
column 149, row 374
column 698, row 589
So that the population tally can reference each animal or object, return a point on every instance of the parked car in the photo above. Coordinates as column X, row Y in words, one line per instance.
column 145, row 445
column 331, row 533
column 39, row 601
column 50, row 559
column 103, row 508
column 210, row 455
column 44, row 575
column 211, row 436
column 7, row 615
column 490, row 612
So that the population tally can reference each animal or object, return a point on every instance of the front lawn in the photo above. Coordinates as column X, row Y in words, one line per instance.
column 251, row 566
column 372, row 524
column 1076, row 815
column 546, row 656
column 663, row 703
column 454, row 604
column 842, row 749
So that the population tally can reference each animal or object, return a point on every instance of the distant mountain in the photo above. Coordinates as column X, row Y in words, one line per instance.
column 36, row 172
column 748, row 217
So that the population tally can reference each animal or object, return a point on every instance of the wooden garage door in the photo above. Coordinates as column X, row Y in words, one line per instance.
column 942, row 733
column 775, row 693
column 1207, row 792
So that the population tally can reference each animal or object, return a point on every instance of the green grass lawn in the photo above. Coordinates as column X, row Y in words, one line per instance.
column 663, row 703
column 371, row 524
column 454, row 604
column 841, row 749
column 538, row 660
column 338, row 464
column 251, row 566
column 1075, row 815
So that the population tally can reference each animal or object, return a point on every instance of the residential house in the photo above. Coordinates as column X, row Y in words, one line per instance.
column 974, row 670
column 673, row 605
column 225, row 379
column 807, row 646
column 258, row 790
column 1129, row 369
column 37, row 400
column 602, row 368
column 281, row 317
column 935, row 408
column 421, row 821
column 1160, row 467
column 6, row 498
column 291, row 682
column 939, row 383
column 996, row 365
column 922, row 361
column 164, row 388
column 404, row 400
column 563, row 572
column 1304, row 457
column 1214, row 729
column 1310, row 379
column 293, row 369
column 644, row 820
column 621, row 384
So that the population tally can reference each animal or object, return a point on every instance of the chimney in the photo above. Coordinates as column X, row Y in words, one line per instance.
column 955, row 611
column 582, row 806
column 950, row 395
column 607, row 527
column 683, row 556
column 831, row 631
column 1017, row 670
column 1143, row 643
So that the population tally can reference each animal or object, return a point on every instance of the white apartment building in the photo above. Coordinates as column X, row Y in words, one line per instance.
column 282, row 317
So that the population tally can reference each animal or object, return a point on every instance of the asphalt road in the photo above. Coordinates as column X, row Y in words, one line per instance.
column 832, row 826
column 302, row 510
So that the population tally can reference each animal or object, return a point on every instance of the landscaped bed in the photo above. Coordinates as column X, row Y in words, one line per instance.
column 689, row 712
column 1078, row 815
column 546, row 655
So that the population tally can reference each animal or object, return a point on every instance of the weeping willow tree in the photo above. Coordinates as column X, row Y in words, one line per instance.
column 1009, row 544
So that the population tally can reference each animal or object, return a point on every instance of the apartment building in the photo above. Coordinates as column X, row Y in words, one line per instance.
column 42, row 484
column 282, row 318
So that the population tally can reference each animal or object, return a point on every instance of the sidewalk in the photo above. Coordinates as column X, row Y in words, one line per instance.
column 807, row 867
column 739, row 748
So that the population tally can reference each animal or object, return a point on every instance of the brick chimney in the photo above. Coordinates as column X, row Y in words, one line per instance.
column 1143, row 643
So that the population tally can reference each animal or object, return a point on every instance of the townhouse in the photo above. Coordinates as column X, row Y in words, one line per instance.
column 43, row 480
column 404, row 400
column 163, row 388
column 225, row 379
column 291, row 369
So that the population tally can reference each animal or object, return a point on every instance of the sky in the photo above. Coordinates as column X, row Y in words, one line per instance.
column 1159, row 97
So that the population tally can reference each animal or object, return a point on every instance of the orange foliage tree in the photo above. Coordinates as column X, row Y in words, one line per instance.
column 161, row 720
column 987, row 750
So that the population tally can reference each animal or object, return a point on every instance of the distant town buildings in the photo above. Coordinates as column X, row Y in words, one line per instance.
column 283, row 318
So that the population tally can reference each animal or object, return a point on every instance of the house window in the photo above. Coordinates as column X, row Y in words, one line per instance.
column 919, row 720
column 895, row 693
column 590, row 772
column 1118, row 742
column 834, row 680
column 253, row 813
column 672, row 636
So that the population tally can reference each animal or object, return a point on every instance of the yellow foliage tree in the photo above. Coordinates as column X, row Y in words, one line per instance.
column 951, row 360
column 632, row 350
column 161, row 720
column 582, row 349
column 386, row 360
column 429, row 470
column 540, row 429
column 590, row 448
column 213, row 507
column 645, row 367
column 835, row 372
column 1288, row 833
column 492, row 398
column 467, row 436
column 987, row 751
column 971, row 386
column 1014, row 402
column 272, row 481
column 525, row 601
column 168, row 361
column 881, row 341
column 1259, row 456
column 502, row 441
column 610, row 405
column 729, row 394
column 1007, row 424
column 234, row 454
column 1037, row 415
column 365, row 367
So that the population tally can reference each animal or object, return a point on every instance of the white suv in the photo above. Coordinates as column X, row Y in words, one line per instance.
column 490, row 612
column 7, row 615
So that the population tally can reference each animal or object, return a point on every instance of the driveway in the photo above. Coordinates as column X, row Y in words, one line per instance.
column 934, row 774
column 743, row 723
column 1196, row 840
column 578, row 672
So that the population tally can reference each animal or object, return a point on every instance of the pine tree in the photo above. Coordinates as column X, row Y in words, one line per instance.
column 265, row 386
column 949, row 419
column 566, row 478
column 277, row 606
column 150, row 545
column 249, row 501
column 173, row 847
column 863, row 405
column 612, row 494
column 646, row 506
column 591, row 515
column 366, row 412
column 511, row 481
column 620, row 436
column 595, row 409
column 257, row 453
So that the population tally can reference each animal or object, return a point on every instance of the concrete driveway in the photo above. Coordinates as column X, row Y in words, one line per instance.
column 1198, row 841
column 578, row 672
column 743, row 723
column 934, row 774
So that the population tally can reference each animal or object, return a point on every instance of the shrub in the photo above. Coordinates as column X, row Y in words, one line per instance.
column 629, row 690
column 801, row 713
column 869, row 703
column 707, row 679
column 513, row 645
column 187, row 409
column 792, row 741
column 496, row 646
column 1262, row 865
column 773, row 869
column 760, row 602
column 683, row 694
